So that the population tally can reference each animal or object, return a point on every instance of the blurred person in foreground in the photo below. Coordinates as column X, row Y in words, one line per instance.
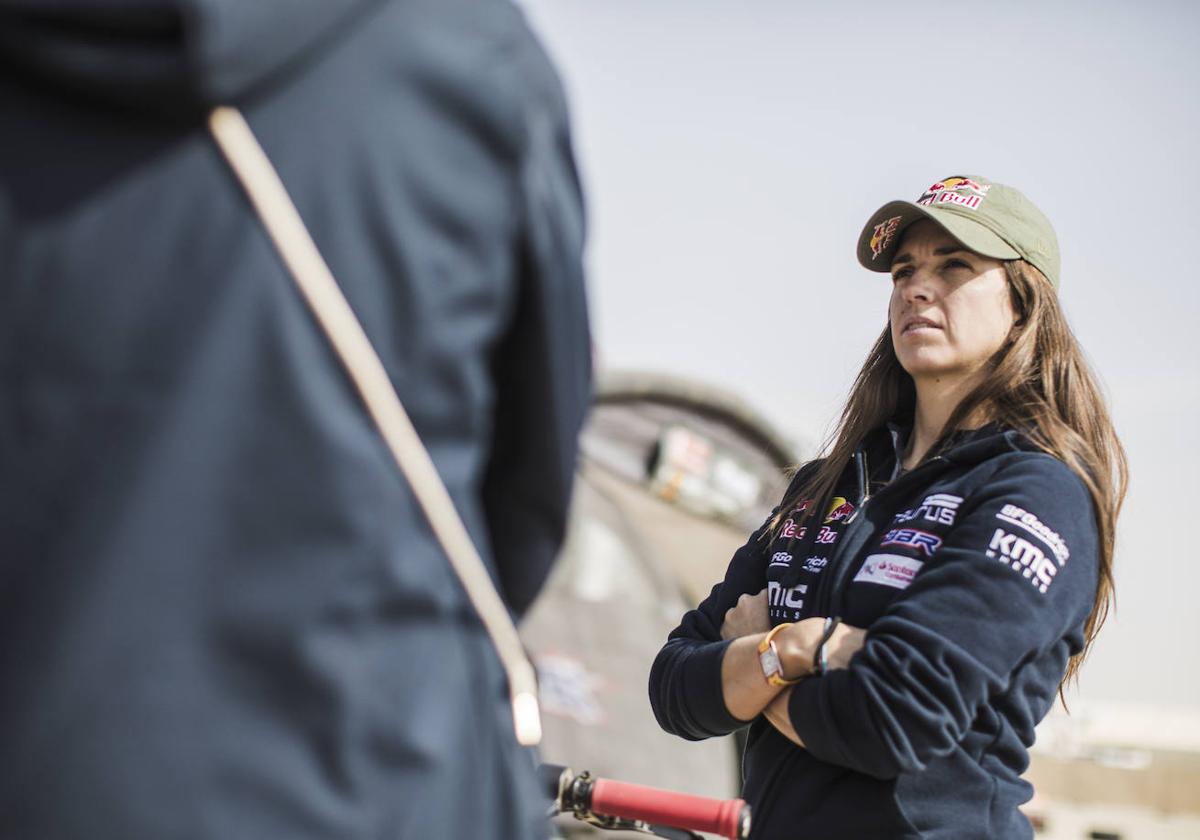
column 221, row 613
column 896, row 629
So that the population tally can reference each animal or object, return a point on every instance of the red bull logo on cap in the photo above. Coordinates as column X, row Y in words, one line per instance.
column 961, row 191
column 885, row 231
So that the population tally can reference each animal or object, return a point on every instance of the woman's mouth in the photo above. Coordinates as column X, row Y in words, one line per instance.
column 917, row 325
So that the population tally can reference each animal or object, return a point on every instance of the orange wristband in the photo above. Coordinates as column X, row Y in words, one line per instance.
column 768, row 658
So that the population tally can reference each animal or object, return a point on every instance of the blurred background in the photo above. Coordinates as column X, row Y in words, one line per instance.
column 731, row 154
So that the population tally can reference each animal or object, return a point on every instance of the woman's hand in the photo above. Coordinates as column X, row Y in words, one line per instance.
column 798, row 646
column 842, row 645
column 746, row 691
column 747, row 617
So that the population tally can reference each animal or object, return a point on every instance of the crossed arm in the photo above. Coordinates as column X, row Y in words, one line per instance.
column 747, row 693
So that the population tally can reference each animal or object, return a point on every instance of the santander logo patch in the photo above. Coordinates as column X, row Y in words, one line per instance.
column 893, row 570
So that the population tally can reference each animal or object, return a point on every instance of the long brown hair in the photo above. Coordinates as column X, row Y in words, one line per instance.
column 1038, row 383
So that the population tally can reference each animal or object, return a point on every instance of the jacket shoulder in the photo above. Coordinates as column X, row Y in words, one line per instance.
column 1039, row 473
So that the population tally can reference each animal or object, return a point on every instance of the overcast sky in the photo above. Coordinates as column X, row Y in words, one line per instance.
column 733, row 150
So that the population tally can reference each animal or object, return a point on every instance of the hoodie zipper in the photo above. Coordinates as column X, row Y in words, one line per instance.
column 858, row 532
column 834, row 573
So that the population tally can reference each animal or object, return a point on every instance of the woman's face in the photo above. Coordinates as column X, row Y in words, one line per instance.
column 950, row 308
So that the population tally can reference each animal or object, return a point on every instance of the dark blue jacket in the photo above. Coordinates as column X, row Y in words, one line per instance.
column 221, row 613
column 974, row 574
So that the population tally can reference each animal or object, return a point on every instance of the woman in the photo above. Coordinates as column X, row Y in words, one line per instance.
column 896, row 629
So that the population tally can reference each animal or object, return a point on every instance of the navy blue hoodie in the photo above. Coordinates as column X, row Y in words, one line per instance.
column 974, row 574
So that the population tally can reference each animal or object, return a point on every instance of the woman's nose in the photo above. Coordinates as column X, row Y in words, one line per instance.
column 916, row 287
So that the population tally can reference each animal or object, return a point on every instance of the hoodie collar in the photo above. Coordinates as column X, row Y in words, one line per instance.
column 965, row 446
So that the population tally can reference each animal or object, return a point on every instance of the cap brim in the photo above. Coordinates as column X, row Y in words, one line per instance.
column 881, row 236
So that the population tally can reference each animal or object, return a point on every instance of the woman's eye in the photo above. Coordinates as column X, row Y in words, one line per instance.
column 957, row 264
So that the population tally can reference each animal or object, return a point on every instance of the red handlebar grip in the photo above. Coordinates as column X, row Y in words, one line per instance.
column 723, row 817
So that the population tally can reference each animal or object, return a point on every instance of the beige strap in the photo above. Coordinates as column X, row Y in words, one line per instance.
column 317, row 284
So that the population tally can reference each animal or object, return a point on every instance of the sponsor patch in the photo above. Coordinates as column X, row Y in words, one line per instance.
column 1024, row 557
column 839, row 509
column 815, row 564
column 791, row 531
column 1024, row 519
column 785, row 602
column 827, row 536
column 882, row 237
column 960, row 191
column 939, row 508
column 781, row 558
column 894, row 570
column 922, row 541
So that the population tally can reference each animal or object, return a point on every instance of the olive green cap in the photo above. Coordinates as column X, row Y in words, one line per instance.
column 986, row 217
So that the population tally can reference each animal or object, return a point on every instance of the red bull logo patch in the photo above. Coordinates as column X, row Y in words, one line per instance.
column 839, row 509
column 884, row 233
column 960, row 191
column 827, row 536
column 792, row 531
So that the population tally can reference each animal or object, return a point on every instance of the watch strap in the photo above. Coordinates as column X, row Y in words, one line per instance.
column 768, row 658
